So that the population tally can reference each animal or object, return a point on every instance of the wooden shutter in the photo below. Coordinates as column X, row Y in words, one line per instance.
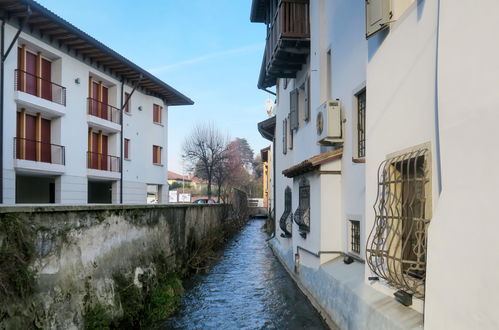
column 127, row 146
column 31, row 81
column 306, row 116
column 46, row 79
column 30, row 137
column 284, row 136
column 293, row 109
column 105, row 113
column 46, row 150
column 156, row 116
column 127, row 106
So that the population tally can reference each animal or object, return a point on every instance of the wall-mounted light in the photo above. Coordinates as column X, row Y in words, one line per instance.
column 140, row 108
column 77, row 81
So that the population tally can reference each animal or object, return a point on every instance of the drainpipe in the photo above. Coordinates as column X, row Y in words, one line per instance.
column 437, row 124
column 3, row 55
column 123, row 105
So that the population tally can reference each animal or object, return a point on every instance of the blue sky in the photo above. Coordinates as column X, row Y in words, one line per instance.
column 206, row 49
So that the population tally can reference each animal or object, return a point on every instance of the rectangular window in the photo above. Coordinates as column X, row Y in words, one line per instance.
column 156, row 154
column 156, row 116
column 284, row 136
column 293, row 109
column 128, row 104
column 397, row 246
column 361, row 124
column 127, row 149
column 355, row 236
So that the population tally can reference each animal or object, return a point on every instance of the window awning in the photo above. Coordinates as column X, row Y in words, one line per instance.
column 312, row 163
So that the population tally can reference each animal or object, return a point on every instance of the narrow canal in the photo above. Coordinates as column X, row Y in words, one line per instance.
column 247, row 289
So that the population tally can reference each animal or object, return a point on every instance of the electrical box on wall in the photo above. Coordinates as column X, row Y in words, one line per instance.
column 329, row 123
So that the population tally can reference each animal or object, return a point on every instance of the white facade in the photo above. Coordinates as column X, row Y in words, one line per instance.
column 430, row 103
column 70, row 125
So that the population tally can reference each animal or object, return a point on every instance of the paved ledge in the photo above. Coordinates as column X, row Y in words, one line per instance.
column 43, row 208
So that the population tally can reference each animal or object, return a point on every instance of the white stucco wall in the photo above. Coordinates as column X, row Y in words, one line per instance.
column 463, row 253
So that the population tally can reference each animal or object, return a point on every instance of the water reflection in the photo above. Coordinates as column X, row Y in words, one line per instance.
column 246, row 289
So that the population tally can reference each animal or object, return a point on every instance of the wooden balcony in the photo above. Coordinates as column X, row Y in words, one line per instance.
column 288, row 41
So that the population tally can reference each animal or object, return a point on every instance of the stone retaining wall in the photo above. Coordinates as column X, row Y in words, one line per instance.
column 76, row 251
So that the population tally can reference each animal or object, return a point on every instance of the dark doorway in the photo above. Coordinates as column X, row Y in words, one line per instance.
column 100, row 192
column 35, row 189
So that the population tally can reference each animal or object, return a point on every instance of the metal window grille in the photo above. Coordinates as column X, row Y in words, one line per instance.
column 284, row 136
column 361, row 124
column 286, row 220
column 355, row 236
column 396, row 248
column 302, row 214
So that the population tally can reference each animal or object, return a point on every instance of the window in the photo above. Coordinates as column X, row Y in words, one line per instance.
column 302, row 214
column 156, row 115
column 361, row 124
column 284, row 136
column 156, row 154
column 128, row 104
column 305, row 89
column 355, row 236
column 127, row 149
column 286, row 221
column 290, row 135
column 293, row 109
column 396, row 248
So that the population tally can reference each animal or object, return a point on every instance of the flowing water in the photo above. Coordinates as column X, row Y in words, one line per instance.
column 247, row 289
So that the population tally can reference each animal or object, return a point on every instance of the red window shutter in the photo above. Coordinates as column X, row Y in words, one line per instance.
column 154, row 155
column 156, row 113
column 127, row 106
column 127, row 143
column 46, row 79
column 31, row 81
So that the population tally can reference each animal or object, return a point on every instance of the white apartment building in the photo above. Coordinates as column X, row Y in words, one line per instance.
column 384, row 202
column 80, row 123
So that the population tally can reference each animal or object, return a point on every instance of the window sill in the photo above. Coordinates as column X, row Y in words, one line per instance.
column 127, row 159
column 359, row 160
column 127, row 113
column 156, row 164
column 159, row 124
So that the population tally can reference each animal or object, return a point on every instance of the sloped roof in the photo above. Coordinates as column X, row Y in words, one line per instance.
column 312, row 163
column 54, row 30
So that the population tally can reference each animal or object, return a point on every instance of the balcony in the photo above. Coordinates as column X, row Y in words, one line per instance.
column 32, row 156
column 38, row 93
column 103, row 116
column 288, row 42
column 103, row 166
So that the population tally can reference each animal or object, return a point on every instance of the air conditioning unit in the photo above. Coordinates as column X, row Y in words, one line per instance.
column 329, row 123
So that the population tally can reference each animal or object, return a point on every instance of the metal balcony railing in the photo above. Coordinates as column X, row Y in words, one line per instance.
column 103, row 110
column 103, row 162
column 37, row 86
column 38, row 151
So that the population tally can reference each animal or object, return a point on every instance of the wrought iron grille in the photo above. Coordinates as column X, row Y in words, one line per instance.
column 302, row 214
column 286, row 220
column 361, row 124
column 355, row 236
column 396, row 247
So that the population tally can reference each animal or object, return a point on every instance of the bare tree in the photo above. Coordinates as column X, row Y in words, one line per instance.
column 205, row 150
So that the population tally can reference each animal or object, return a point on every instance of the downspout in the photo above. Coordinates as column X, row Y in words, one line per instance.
column 3, row 55
column 121, row 140
column 123, row 105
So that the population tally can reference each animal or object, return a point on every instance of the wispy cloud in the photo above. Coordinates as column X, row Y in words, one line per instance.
column 207, row 57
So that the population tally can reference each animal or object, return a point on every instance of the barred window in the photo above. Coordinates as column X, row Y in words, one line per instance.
column 355, row 236
column 284, row 136
column 302, row 214
column 286, row 220
column 396, row 248
column 361, row 124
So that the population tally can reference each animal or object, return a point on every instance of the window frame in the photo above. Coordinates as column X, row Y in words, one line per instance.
column 128, row 109
column 156, row 154
column 126, row 149
column 157, row 109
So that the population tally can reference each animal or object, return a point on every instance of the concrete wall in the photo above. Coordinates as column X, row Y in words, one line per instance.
column 80, row 248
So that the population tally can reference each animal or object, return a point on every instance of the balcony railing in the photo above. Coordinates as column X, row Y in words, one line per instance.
column 38, row 151
column 37, row 86
column 291, row 21
column 102, row 110
column 103, row 162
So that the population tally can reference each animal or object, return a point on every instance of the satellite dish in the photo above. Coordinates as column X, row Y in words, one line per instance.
column 269, row 107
